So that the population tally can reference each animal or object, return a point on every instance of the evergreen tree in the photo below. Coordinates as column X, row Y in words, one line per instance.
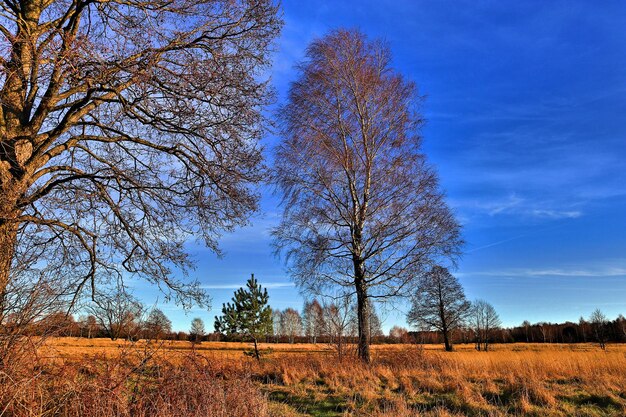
column 249, row 315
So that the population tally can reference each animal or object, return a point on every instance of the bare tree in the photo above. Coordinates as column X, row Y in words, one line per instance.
column 527, row 330
column 582, row 325
column 313, row 320
column 375, row 325
column 118, row 314
column 621, row 324
column 599, row 324
column 89, row 326
column 291, row 323
column 28, row 299
column 363, row 210
column 439, row 304
column 399, row 334
column 126, row 128
column 277, row 324
column 485, row 320
column 56, row 324
column 157, row 324
column 197, row 330
column 340, row 323
column 546, row 334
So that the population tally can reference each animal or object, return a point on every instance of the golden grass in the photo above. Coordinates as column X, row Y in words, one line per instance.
column 403, row 380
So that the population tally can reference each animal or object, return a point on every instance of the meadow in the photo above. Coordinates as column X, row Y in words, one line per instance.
column 99, row 377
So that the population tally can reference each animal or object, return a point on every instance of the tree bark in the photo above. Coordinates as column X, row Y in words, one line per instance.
column 8, row 238
column 442, row 316
column 256, row 350
column 362, row 312
column 446, row 340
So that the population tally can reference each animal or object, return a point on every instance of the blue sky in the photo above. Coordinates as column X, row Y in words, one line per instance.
column 525, row 105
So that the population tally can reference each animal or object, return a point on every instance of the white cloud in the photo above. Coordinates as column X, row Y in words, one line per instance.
column 514, row 205
column 268, row 285
column 567, row 271
column 557, row 214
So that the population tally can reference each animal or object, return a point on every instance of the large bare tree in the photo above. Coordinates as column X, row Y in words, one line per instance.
column 363, row 209
column 439, row 304
column 126, row 127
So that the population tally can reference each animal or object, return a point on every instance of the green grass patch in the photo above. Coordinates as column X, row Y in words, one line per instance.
column 326, row 406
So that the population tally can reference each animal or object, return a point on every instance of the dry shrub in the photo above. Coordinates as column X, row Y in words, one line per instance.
column 406, row 382
column 399, row 382
column 393, row 407
column 128, row 384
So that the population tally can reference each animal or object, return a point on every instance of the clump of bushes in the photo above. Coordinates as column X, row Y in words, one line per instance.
column 130, row 383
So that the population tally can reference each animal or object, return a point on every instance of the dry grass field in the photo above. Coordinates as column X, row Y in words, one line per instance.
column 89, row 377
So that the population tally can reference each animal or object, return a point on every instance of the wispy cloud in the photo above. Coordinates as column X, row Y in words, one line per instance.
column 556, row 214
column 515, row 237
column 268, row 285
column 591, row 272
column 514, row 205
column 499, row 242
column 511, row 203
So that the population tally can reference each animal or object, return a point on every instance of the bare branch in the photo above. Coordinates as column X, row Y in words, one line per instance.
column 362, row 209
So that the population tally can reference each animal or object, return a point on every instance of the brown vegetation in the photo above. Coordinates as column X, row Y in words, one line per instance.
column 72, row 377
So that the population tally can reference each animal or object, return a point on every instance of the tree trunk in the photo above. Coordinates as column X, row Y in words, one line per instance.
column 446, row 340
column 256, row 350
column 8, row 237
column 444, row 323
column 362, row 315
column 340, row 347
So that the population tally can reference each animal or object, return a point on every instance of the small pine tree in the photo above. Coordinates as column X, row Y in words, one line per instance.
column 249, row 315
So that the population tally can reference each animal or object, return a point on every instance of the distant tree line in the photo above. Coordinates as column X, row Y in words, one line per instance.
column 440, row 313
column 590, row 330
column 325, row 323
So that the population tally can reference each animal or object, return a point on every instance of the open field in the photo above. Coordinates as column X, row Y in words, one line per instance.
column 306, row 379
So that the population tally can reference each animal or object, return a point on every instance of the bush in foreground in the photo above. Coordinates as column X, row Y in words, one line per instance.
column 128, row 384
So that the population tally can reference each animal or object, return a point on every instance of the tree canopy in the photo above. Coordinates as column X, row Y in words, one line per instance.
column 126, row 128
column 363, row 211
column 157, row 324
column 249, row 315
column 439, row 303
column 197, row 330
